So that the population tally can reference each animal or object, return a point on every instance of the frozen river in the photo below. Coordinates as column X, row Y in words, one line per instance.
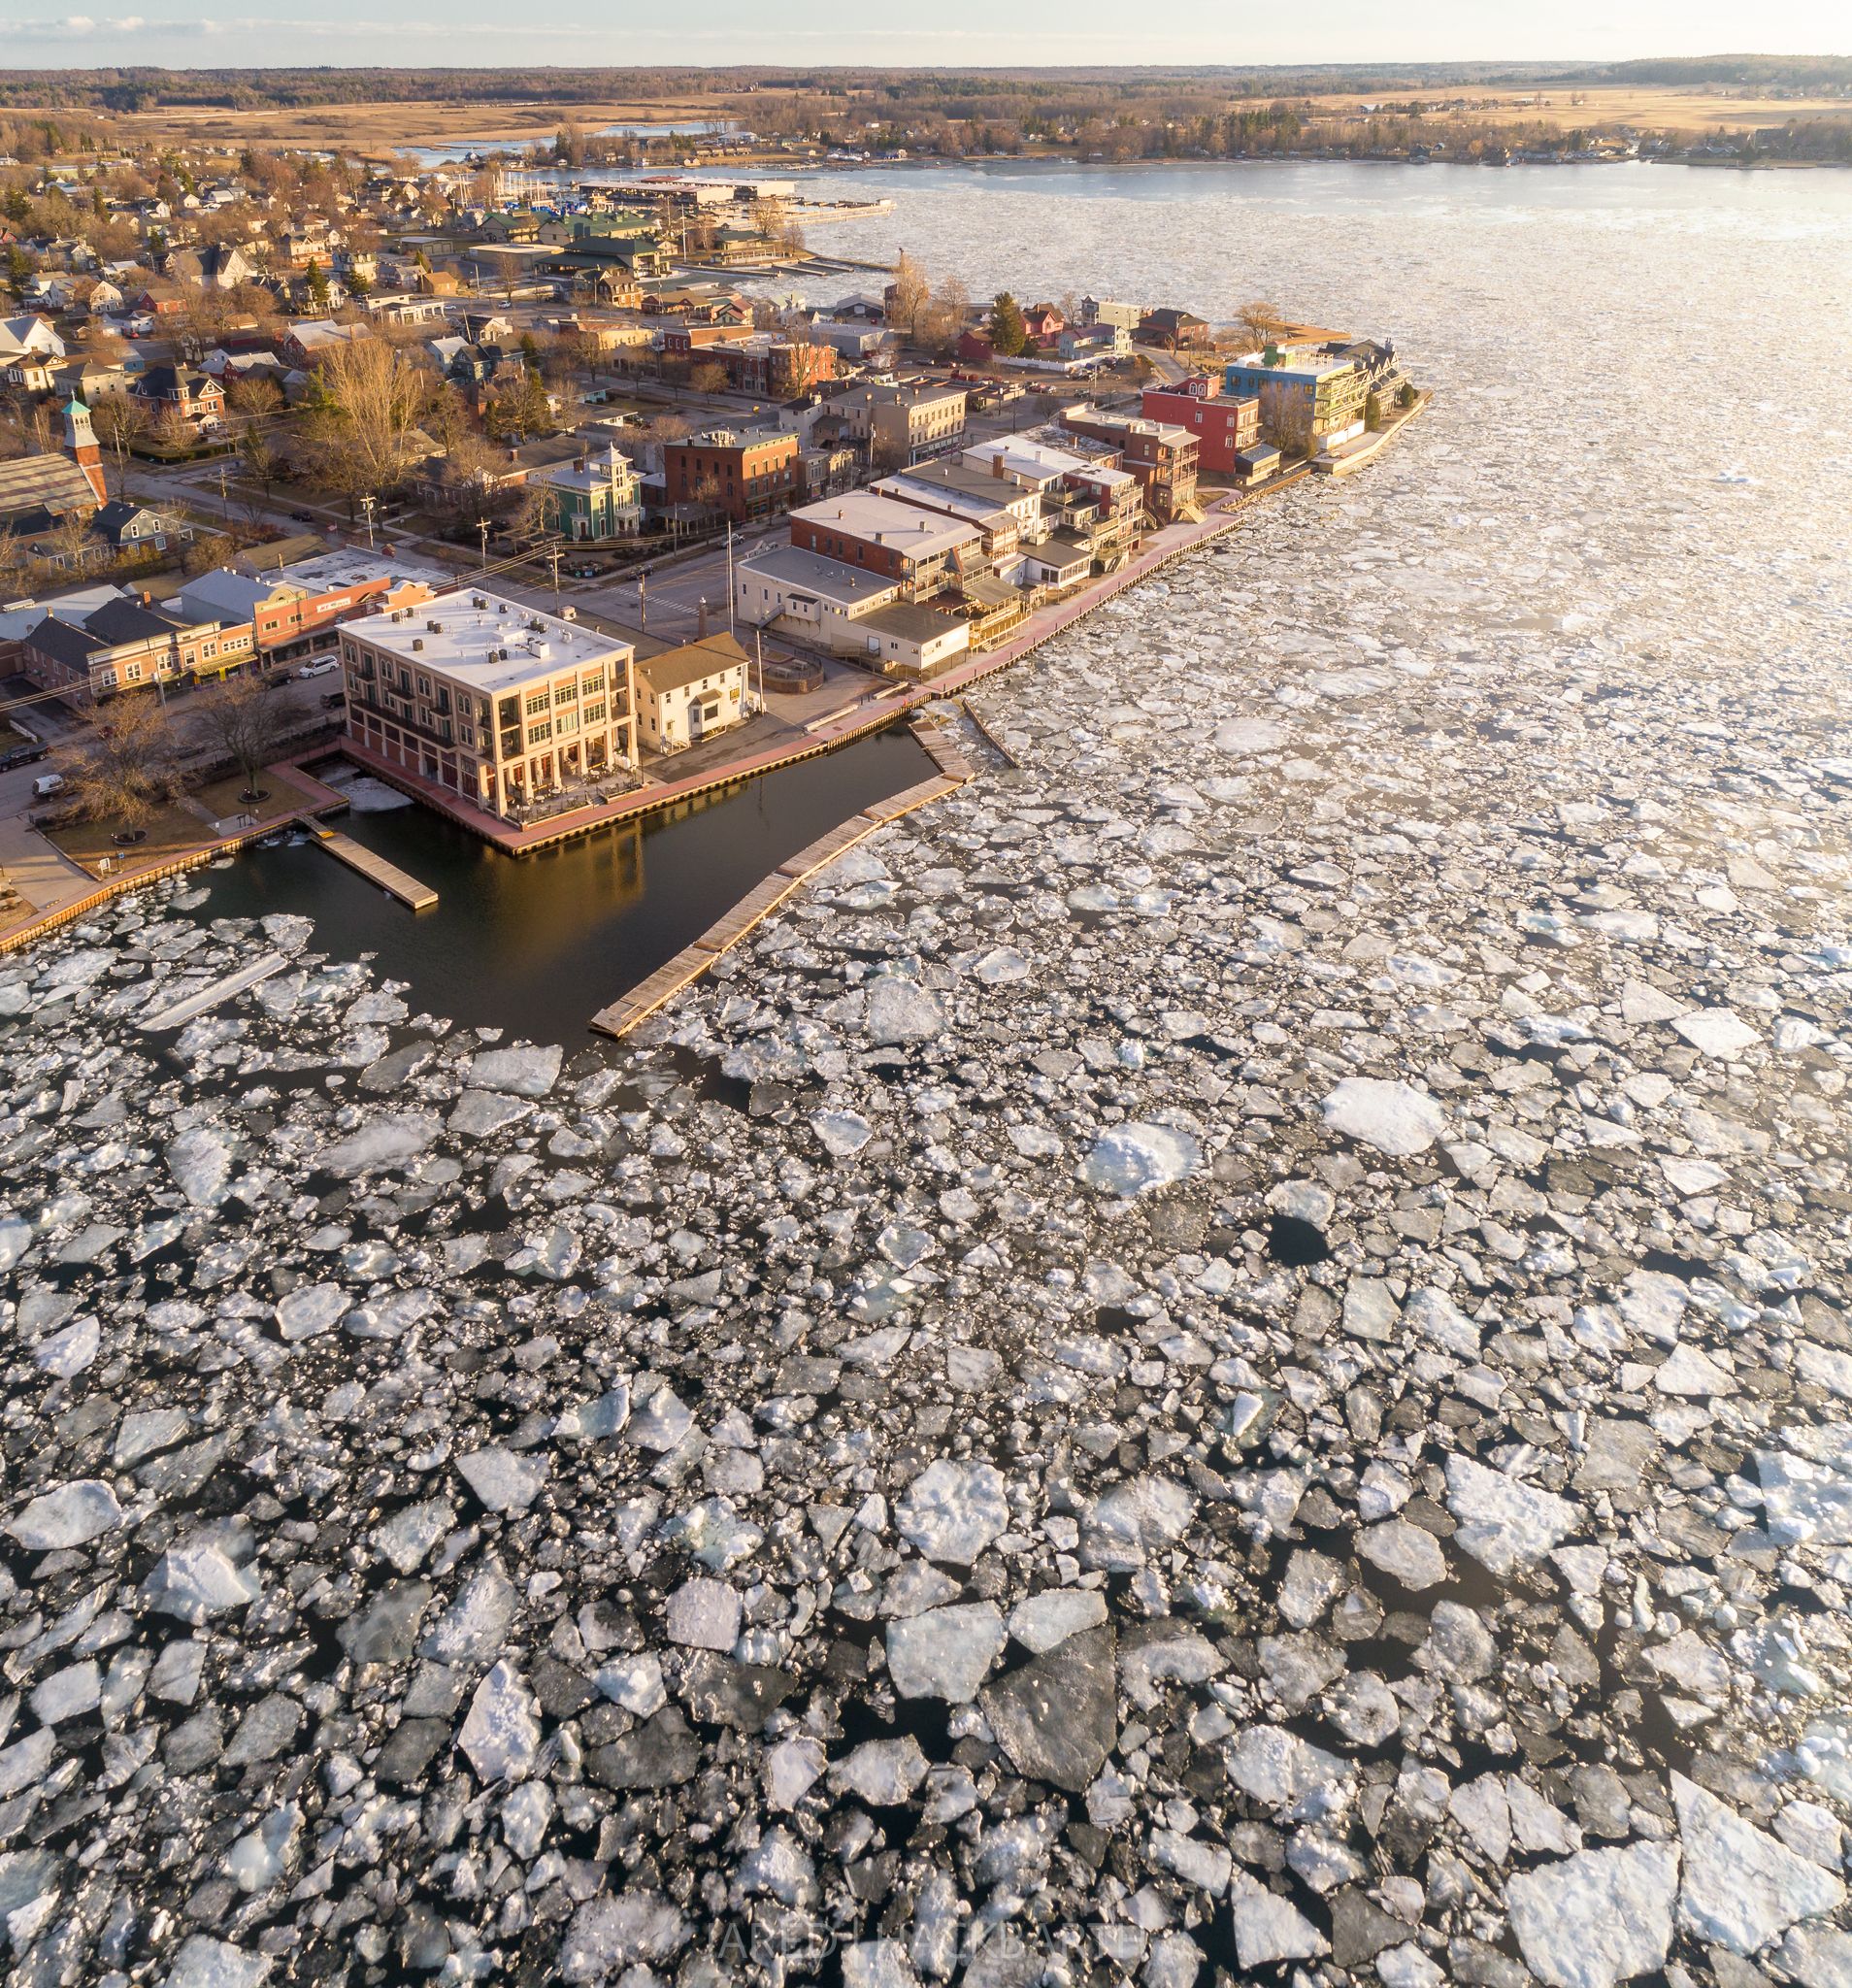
column 1229, row 1352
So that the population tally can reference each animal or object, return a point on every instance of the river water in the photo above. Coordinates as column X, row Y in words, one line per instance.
column 1229, row 1351
column 539, row 944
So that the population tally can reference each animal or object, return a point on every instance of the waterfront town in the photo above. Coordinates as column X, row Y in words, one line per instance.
column 1183, row 1319
column 528, row 496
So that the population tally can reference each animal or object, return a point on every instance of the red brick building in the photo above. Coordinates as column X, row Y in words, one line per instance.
column 875, row 534
column 744, row 473
column 1222, row 427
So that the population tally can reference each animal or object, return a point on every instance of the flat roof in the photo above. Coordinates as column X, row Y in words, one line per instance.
column 465, row 641
column 1294, row 365
column 911, row 622
column 882, row 521
column 977, row 504
column 814, row 573
column 954, row 479
column 351, row 566
column 1022, row 457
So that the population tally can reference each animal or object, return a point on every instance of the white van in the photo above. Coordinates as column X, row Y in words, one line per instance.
column 47, row 784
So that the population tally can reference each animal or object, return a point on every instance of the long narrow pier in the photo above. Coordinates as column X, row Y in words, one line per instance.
column 765, row 897
column 375, row 869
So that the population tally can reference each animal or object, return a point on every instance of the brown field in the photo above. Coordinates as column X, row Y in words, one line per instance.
column 377, row 129
column 1603, row 104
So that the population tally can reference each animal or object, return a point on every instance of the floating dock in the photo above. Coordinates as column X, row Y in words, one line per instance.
column 765, row 897
column 375, row 869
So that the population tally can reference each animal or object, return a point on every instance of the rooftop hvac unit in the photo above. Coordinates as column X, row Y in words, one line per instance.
column 417, row 642
column 570, row 613
column 478, row 601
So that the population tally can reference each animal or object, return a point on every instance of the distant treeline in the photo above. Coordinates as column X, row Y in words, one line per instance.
column 950, row 93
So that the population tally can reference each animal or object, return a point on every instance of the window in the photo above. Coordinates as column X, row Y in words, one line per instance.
column 565, row 693
column 538, row 735
column 594, row 682
column 132, row 672
column 595, row 714
column 538, row 704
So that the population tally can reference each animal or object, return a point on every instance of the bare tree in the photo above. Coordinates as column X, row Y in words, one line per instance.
column 908, row 294
column 1260, row 322
column 254, row 394
column 125, row 768
column 71, row 544
column 121, row 422
column 245, row 722
column 946, row 316
column 172, row 433
column 536, row 515
column 364, row 409
column 14, row 564
column 708, row 376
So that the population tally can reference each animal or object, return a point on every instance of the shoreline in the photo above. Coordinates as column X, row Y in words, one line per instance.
column 1221, row 517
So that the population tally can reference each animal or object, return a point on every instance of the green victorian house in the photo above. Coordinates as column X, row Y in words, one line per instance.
column 597, row 496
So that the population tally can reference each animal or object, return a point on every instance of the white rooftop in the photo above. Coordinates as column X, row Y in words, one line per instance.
column 881, row 520
column 1021, row 457
column 830, row 580
column 487, row 641
column 355, row 566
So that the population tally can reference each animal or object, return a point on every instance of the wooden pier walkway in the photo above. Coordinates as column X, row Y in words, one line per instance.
column 375, row 869
column 765, row 897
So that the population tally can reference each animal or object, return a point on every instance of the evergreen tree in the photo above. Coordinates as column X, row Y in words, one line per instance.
column 1008, row 337
column 318, row 286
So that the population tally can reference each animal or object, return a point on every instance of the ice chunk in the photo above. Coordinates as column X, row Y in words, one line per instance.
column 945, row 1652
column 1718, row 1032
column 1393, row 1117
column 901, row 1011
column 527, row 1072
column 703, row 1614
column 309, row 1310
column 198, row 1578
column 1269, row 1928
column 1133, row 1159
column 501, row 1735
column 881, row 1771
column 207, row 1963
column 200, row 1162
column 71, row 1516
column 502, row 1480
column 954, row 1511
column 1741, row 1889
column 609, row 1935
column 1504, row 1522
column 1598, row 1917
column 387, row 1140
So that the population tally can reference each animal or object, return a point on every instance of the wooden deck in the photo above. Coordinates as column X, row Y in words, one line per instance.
column 765, row 896
column 375, row 869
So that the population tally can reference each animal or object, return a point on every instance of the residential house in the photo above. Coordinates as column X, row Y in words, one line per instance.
column 687, row 694
column 309, row 338
column 487, row 700
column 1126, row 317
column 1161, row 456
column 1042, row 323
column 217, row 268
column 37, row 336
column 197, row 398
column 1171, row 331
column 1310, row 396
column 599, row 497
column 744, row 473
column 137, row 531
column 1224, row 424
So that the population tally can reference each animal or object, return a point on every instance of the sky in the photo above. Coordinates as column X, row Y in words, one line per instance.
column 458, row 33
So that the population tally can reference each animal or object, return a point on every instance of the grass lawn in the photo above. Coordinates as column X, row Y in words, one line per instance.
column 221, row 800
column 171, row 829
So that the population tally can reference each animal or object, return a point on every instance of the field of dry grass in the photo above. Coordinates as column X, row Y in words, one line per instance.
column 377, row 129
column 1660, row 109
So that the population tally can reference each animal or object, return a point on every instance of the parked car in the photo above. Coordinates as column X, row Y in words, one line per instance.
column 334, row 700
column 322, row 666
column 47, row 784
column 21, row 756
column 303, row 516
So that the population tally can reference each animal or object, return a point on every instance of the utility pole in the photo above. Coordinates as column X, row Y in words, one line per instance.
column 225, row 500
column 366, row 505
column 642, row 604
column 555, row 556
column 481, row 525
column 729, row 576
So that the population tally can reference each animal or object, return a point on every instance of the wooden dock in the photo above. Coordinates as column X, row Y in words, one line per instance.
column 765, row 897
column 375, row 869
